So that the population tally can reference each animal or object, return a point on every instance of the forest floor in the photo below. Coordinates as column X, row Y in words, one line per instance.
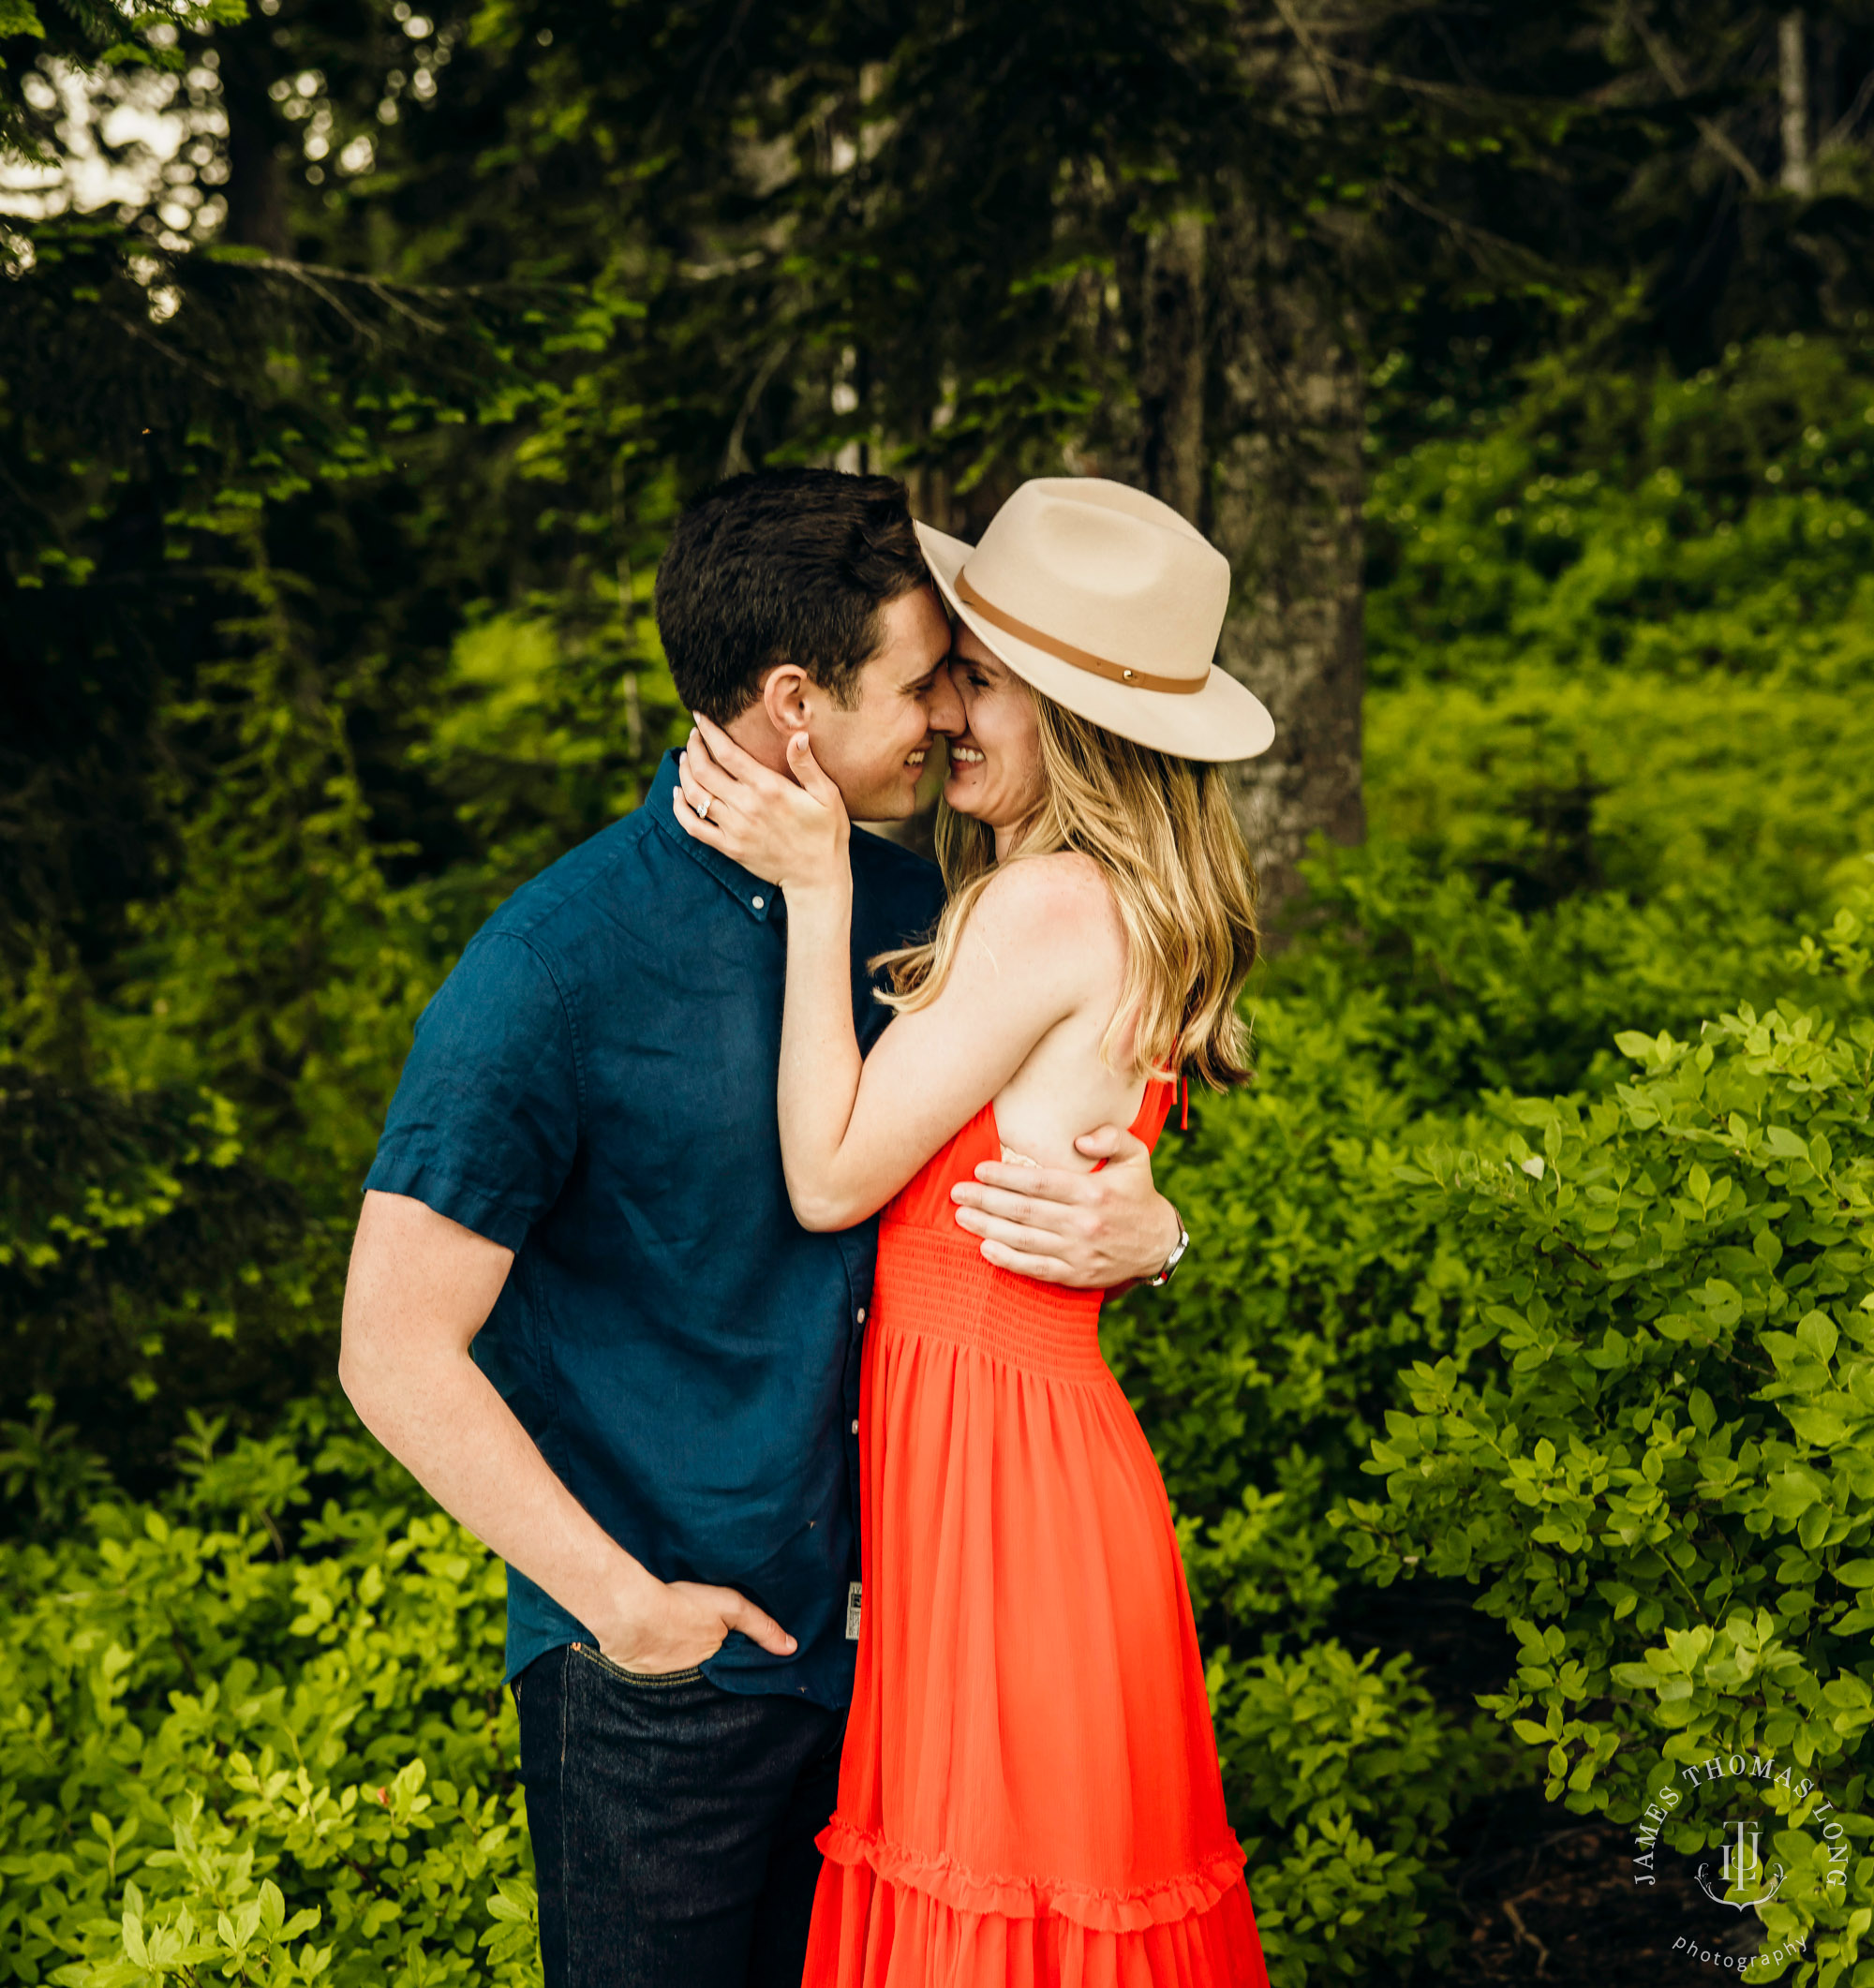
column 1558, row 1904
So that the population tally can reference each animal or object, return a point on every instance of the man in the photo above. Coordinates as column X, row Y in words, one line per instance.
column 581, row 1177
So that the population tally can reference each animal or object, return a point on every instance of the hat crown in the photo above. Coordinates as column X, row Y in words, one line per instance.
column 1108, row 569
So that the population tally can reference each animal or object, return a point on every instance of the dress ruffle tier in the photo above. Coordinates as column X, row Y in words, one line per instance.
column 1029, row 1793
column 886, row 1932
column 978, row 1895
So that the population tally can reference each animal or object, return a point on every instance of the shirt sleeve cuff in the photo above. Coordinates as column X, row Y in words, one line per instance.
column 489, row 1214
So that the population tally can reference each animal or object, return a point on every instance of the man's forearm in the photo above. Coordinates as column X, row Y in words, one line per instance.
column 444, row 1422
column 1099, row 1231
column 419, row 1289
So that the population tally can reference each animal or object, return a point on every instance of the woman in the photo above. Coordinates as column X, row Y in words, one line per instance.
column 1029, row 1791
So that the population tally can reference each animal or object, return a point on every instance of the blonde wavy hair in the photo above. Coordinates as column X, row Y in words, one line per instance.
column 1166, row 839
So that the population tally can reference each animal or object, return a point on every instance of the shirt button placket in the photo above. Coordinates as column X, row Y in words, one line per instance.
column 861, row 1316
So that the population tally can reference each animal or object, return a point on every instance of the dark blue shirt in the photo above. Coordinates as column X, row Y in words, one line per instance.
column 593, row 1088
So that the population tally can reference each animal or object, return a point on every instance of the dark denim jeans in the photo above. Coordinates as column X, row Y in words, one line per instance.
column 673, row 1824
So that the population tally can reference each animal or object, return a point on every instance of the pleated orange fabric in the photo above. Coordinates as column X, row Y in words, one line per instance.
column 1029, row 1793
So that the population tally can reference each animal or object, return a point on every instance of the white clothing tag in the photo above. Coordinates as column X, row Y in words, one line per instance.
column 852, row 1611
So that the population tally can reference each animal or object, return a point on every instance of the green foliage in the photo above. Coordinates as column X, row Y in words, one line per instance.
column 1304, row 1294
column 1724, row 797
column 144, row 1258
column 1649, row 1444
column 1642, row 523
column 332, row 511
column 1442, row 989
column 250, row 1731
column 533, row 742
column 90, row 34
column 1343, row 1777
column 1621, row 641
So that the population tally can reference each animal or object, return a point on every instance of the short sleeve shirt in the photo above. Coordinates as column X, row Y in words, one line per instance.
column 593, row 1088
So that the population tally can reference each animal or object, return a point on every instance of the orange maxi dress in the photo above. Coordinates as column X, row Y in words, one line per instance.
column 1029, row 1793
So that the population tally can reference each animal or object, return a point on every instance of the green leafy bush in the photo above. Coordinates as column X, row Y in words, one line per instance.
column 1264, row 1373
column 1723, row 802
column 1267, row 1371
column 145, row 1257
column 251, row 1731
column 1620, row 642
column 1343, row 1779
column 1439, row 991
column 1649, row 1444
column 1718, row 524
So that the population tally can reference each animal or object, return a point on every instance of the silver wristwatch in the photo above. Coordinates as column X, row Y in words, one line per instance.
column 1177, row 1255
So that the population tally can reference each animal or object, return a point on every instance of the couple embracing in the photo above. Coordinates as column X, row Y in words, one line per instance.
column 742, row 1186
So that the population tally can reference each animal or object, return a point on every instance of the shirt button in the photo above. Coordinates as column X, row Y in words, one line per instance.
column 758, row 902
column 862, row 1314
column 855, row 1425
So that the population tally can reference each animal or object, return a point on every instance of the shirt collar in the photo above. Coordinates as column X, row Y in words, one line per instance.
column 756, row 896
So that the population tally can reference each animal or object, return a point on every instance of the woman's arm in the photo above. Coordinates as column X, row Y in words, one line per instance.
column 852, row 1132
column 821, row 1068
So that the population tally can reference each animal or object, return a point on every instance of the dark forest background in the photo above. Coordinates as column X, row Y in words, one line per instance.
column 354, row 360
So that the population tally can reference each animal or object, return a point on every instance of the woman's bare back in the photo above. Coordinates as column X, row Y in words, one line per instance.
column 1063, row 1089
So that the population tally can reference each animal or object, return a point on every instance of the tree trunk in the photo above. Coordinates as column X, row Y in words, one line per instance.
column 1287, row 489
column 1792, row 75
column 257, row 189
column 1171, row 367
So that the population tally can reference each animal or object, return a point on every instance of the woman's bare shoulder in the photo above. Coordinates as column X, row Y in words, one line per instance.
column 1061, row 884
column 1040, row 901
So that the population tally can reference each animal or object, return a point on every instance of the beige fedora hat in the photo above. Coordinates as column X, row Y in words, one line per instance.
column 1108, row 601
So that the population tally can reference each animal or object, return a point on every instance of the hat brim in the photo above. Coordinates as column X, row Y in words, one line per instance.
column 1224, row 721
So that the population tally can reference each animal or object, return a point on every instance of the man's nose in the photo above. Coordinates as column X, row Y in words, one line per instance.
column 944, row 707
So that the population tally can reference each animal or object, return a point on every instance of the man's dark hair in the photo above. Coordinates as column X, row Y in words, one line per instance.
column 783, row 565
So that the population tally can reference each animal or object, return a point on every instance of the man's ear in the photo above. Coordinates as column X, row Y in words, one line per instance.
column 786, row 697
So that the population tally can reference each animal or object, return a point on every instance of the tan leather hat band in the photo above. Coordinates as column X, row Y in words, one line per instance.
column 1066, row 652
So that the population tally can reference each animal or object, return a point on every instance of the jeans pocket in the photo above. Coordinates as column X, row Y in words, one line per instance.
column 645, row 1680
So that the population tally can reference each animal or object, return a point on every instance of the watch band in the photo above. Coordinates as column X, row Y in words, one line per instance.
column 1177, row 1255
